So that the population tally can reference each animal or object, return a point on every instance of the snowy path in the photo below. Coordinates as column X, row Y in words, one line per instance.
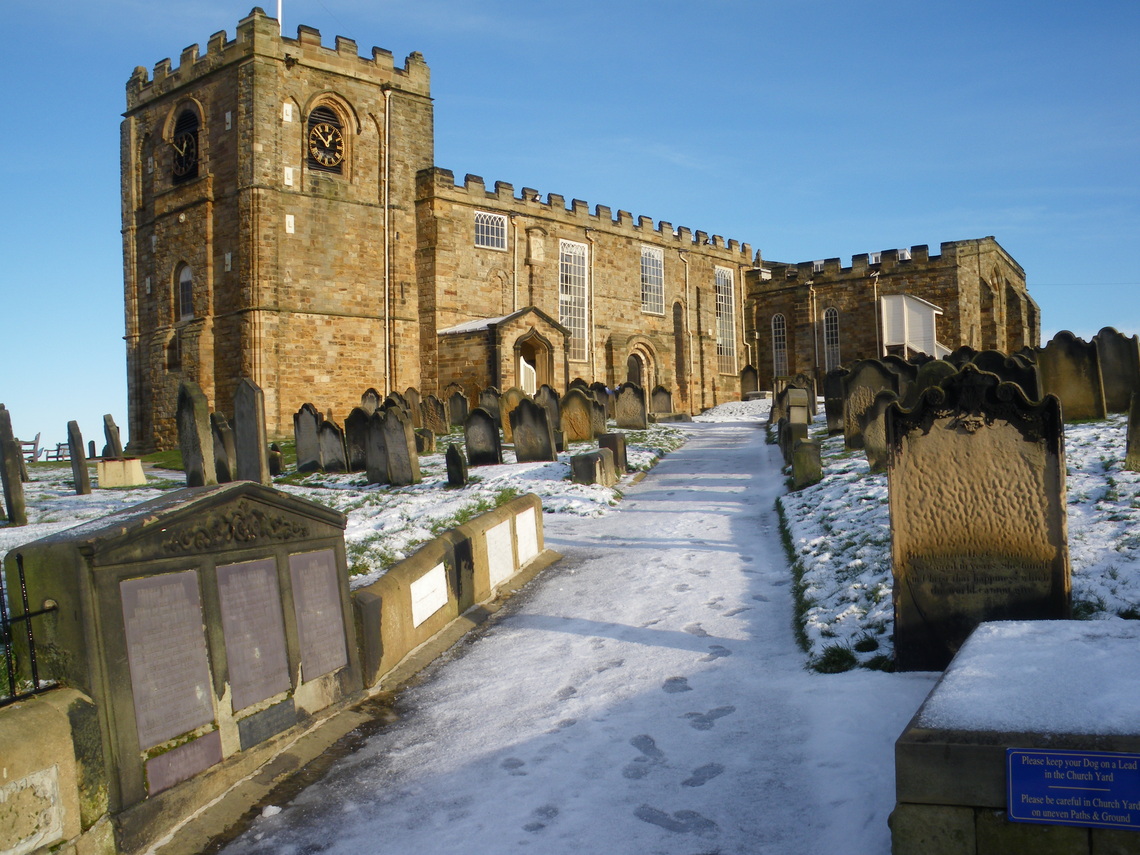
column 645, row 695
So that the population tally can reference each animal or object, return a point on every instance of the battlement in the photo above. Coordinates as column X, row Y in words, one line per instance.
column 258, row 34
column 502, row 199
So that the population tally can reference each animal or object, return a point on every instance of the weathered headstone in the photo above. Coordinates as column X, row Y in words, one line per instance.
column 978, row 520
column 604, row 396
column 1069, row 369
column 615, row 442
column 10, row 455
column 91, row 455
column 1132, row 447
column 797, row 400
column 578, row 383
column 306, row 424
column 356, row 438
column 489, row 401
column 807, row 468
column 412, row 396
column 195, row 437
column 534, row 440
column 833, row 399
column 481, row 434
column 598, row 417
column 1119, row 358
column 868, row 378
column 425, row 441
column 807, row 383
column 873, row 426
column 593, row 467
column 630, row 412
column 434, row 415
column 1012, row 370
column 79, row 473
column 400, row 442
column 789, row 433
column 249, row 433
column 547, row 398
column 333, row 456
column 276, row 460
column 114, row 442
column 507, row 403
column 225, row 453
column 376, row 450
column 661, row 400
column 369, row 401
column 577, row 410
column 749, row 382
column 456, row 466
column 930, row 374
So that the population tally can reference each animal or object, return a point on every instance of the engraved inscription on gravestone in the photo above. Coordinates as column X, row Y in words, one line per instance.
column 254, row 631
column 320, row 622
column 185, row 761
column 166, row 651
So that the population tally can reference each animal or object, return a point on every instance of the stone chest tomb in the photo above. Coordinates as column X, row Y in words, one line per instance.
column 203, row 624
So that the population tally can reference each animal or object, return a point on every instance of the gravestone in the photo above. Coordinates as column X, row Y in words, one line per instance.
column 489, row 401
column 873, row 425
column 276, row 460
column 434, row 416
column 507, row 403
column 604, row 396
column 225, row 454
column 399, row 399
column 577, row 409
column 547, row 398
column 195, row 437
column 930, row 374
column 788, row 434
column 749, row 382
column 306, row 425
column 456, row 466
column 400, row 444
column 534, row 440
column 396, row 401
column 868, row 378
column 450, row 389
column 91, row 455
column 615, row 442
column 807, row 383
column 797, row 403
column 369, row 402
column 356, row 438
column 1119, row 358
column 630, row 412
column 1132, row 447
column 807, row 468
column 10, row 456
column 833, row 399
column 425, row 441
column 1069, row 368
column 330, row 435
column 412, row 396
column 1010, row 369
column 961, row 356
column 376, row 450
column 661, row 401
column 111, row 433
column 249, row 433
column 976, row 478
column 593, row 467
column 79, row 473
column 598, row 418
column 457, row 408
column 578, row 383
column 481, row 435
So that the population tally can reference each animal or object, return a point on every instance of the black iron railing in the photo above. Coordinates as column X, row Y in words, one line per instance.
column 17, row 686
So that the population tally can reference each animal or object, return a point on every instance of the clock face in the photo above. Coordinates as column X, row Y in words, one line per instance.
column 326, row 144
column 185, row 147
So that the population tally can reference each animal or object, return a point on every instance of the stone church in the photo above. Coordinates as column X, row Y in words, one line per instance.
column 284, row 220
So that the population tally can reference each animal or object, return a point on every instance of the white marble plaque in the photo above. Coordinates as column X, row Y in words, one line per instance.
column 320, row 622
column 166, row 651
column 429, row 594
column 526, row 532
column 500, row 553
column 254, row 631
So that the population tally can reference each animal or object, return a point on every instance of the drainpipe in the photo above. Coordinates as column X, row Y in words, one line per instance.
column 814, row 328
column 590, row 318
column 688, row 326
column 387, row 90
column 514, row 265
column 877, row 313
column 743, row 319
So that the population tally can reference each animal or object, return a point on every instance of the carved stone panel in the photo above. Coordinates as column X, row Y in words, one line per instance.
column 320, row 622
column 254, row 631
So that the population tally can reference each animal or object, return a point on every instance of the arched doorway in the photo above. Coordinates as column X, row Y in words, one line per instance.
column 534, row 362
column 635, row 370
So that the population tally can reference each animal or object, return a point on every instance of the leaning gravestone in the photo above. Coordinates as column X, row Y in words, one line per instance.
column 331, row 439
column 481, row 434
column 249, row 433
column 489, row 401
column 356, row 438
column 1132, row 448
column 976, row 478
column 412, row 396
column 195, row 438
column 79, row 471
column 10, row 455
column 868, row 377
column 630, row 412
column 1069, row 369
column 507, row 403
column 400, row 443
column 615, row 442
column 1119, row 358
column 534, row 440
column 111, row 433
column 376, row 450
column 434, row 416
column 370, row 401
column 306, row 424
column 577, row 415
column 456, row 466
column 225, row 453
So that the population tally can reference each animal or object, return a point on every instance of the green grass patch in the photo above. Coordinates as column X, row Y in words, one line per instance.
column 170, row 459
column 835, row 659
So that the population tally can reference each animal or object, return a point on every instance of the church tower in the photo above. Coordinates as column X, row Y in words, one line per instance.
column 236, row 167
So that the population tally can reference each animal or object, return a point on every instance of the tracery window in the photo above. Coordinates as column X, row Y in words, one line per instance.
column 185, row 309
column 573, row 291
column 725, row 322
column 779, row 346
column 831, row 339
column 490, row 230
column 652, row 280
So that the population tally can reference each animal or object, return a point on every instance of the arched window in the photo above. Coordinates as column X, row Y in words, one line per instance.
column 324, row 141
column 185, row 309
column 779, row 346
column 831, row 339
column 184, row 143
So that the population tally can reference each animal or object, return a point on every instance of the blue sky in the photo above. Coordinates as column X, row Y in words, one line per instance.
column 810, row 129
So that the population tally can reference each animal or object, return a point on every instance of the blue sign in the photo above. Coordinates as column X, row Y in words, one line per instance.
column 1089, row 788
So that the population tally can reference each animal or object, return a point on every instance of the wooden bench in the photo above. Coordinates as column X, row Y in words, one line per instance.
column 30, row 449
column 61, row 452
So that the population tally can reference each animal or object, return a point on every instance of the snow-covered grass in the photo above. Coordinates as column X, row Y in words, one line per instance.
column 839, row 534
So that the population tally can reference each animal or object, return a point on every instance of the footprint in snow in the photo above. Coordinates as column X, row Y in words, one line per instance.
column 705, row 721
column 681, row 587
column 651, row 756
column 760, row 598
column 703, row 775
column 606, row 666
column 681, row 822
column 747, row 559
column 562, row 725
column 695, row 629
column 779, row 583
column 513, row 765
column 673, row 685
column 546, row 812
column 737, row 610
column 716, row 652
column 567, row 692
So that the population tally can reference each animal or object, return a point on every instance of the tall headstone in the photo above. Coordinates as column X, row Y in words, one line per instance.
column 79, row 473
column 481, row 435
column 547, row 398
column 11, row 458
column 577, row 410
column 749, row 381
column 356, row 438
column 369, row 401
column 111, row 433
column 306, row 424
column 630, row 412
column 195, row 437
column 489, row 401
column 400, row 442
column 434, row 415
column 376, row 450
column 833, row 399
column 976, row 479
column 91, row 455
column 412, row 396
column 1132, row 448
column 534, row 440
column 456, row 466
column 597, row 417
column 604, row 396
column 615, row 442
column 868, row 378
column 1119, row 358
column 661, row 401
column 1069, row 369
column 873, row 424
column 225, row 452
column 330, row 435
column 507, row 403
column 249, row 433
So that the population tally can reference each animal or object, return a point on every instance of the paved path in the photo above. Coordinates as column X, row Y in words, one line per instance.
column 645, row 695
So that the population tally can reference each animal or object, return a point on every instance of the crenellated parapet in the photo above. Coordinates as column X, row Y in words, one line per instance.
column 528, row 202
column 259, row 35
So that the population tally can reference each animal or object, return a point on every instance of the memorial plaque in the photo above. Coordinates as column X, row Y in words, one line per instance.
column 166, row 652
column 185, row 761
column 500, row 554
column 429, row 594
column 320, row 622
column 527, row 534
column 1094, row 789
column 254, row 631
column 257, row 728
